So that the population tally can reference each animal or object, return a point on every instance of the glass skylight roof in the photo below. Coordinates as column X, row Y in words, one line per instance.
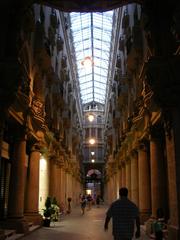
column 92, row 39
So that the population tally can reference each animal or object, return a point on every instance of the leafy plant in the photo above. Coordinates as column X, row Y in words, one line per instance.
column 51, row 210
column 48, row 211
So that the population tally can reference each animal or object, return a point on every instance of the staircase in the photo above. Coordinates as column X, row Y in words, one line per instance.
column 10, row 234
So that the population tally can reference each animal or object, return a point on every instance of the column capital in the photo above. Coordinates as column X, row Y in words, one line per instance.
column 167, row 115
column 155, row 132
column 60, row 161
column 134, row 152
column 20, row 134
column 36, row 147
column 142, row 145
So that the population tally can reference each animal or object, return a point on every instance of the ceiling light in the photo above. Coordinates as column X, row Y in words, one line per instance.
column 91, row 117
column 92, row 141
column 87, row 62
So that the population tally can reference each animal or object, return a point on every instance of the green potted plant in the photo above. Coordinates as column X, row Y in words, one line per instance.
column 47, row 212
column 55, row 209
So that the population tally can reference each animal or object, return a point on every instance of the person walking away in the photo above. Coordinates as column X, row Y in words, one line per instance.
column 124, row 214
column 69, row 205
column 83, row 204
column 98, row 201
column 89, row 200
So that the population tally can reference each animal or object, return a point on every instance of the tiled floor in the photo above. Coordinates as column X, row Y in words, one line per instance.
column 76, row 226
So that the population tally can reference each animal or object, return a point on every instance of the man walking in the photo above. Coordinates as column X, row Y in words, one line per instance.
column 124, row 214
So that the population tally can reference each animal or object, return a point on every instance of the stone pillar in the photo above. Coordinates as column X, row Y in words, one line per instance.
column 59, row 183
column 128, row 177
column 61, row 179
column 112, row 194
column 144, row 182
column 56, row 194
column 63, row 185
column 158, row 174
column 17, row 187
column 53, row 180
column 115, row 184
column 134, row 178
column 173, row 153
column 123, row 176
column 120, row 177
column 32, row 188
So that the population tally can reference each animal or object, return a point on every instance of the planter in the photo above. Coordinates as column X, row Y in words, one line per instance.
column 46, row 222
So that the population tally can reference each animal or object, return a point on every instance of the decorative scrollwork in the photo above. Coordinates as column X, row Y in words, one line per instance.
column 37, row 108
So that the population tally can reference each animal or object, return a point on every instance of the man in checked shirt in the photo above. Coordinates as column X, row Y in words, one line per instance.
column 124, row 214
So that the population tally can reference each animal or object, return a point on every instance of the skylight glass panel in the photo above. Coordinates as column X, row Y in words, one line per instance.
column 92, row 41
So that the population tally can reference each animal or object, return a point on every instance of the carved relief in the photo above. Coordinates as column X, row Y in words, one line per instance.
column 53, row 19
column 142, row 145
column 37, row 108
column 64, row 62
column 121, row 44
column 59, row 44
column 51, row 36
column 125, row 21
column 39, row 36
column 25, row 82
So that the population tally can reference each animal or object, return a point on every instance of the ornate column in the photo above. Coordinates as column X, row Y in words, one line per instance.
column 115, row 181
column 32, row 187
column 123, row 176
column 59, row 171
column 63, row 186
column 134, row 177
column 173, row 153
column 158, row 173
column 53, row 180
column 120, row 177
column 162, row 75
column 111, row 189
column 57, row 176
column 61, row 178
column 2, row 121
column 144, row 182
column 17, row 186
column 128, row 177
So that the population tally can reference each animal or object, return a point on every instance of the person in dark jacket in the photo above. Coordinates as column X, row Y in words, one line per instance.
column 124, row 214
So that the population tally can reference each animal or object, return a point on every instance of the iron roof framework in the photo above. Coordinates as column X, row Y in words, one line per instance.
column 92, row 38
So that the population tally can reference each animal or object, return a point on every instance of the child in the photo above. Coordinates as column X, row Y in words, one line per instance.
column 159, row 225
